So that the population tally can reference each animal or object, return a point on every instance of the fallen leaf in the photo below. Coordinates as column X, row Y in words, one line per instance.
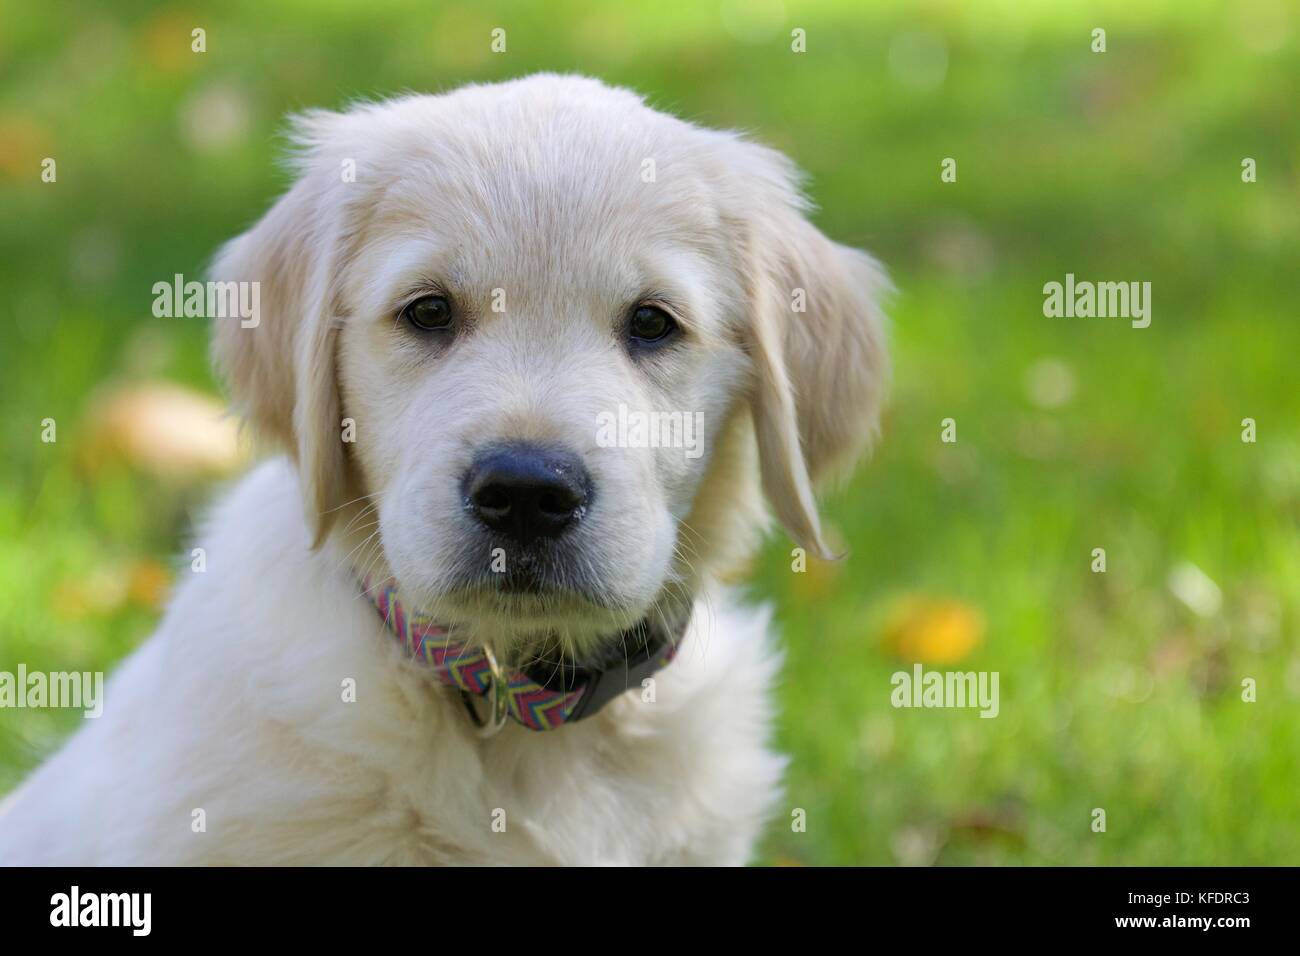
column 165, row 430
column 932, row 631
column 148, row 584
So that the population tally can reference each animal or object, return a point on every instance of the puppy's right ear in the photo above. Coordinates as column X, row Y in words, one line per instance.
column 280, row 364
column 816, row 339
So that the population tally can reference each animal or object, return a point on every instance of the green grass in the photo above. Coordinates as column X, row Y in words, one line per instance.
column 1122, row 165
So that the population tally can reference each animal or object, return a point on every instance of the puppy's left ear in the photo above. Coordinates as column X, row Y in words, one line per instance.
column 817, row 343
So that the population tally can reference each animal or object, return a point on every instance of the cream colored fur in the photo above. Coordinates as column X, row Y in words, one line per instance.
column 534, row 193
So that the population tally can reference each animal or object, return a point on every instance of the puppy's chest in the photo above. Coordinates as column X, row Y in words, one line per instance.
column 574, row 796
column 643, row 783
column 683, row 774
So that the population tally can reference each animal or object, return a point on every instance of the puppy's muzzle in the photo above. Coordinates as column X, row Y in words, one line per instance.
column 527, row 492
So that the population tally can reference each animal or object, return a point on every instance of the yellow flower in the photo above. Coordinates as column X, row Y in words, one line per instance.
column 149, row 583
column 932, row 631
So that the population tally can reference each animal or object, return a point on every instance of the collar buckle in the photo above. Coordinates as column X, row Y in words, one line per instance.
column 498, row 698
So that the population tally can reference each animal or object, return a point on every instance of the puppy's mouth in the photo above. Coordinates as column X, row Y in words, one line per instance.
column 552, row 628
column 531, row 600
column 533, row 578
column 540, row 579
column 518, row 594
column 515, row 596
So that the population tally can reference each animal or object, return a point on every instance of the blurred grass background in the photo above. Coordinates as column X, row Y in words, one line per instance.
column 1119, row 690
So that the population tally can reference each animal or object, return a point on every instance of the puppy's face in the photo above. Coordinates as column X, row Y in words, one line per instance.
column 526, row 328
column 511, row 302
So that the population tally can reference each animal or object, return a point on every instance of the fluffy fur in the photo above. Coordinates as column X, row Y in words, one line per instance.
column 532, row 196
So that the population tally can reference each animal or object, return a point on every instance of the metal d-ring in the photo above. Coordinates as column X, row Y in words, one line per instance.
column 498, row 698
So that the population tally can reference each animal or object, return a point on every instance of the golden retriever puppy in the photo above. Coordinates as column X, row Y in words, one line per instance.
column 536, row 356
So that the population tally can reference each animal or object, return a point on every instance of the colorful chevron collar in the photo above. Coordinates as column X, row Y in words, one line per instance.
column 540, row 697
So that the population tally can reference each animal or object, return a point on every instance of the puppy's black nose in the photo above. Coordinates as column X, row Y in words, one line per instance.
column 526, row 491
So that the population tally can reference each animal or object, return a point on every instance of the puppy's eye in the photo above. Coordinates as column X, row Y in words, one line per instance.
column 650, row 324
column 432, row 313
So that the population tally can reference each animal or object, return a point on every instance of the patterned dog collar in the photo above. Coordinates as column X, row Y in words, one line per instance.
column 542, row 696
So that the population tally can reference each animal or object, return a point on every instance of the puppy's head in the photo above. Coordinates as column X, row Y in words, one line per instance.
column 535, row 332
